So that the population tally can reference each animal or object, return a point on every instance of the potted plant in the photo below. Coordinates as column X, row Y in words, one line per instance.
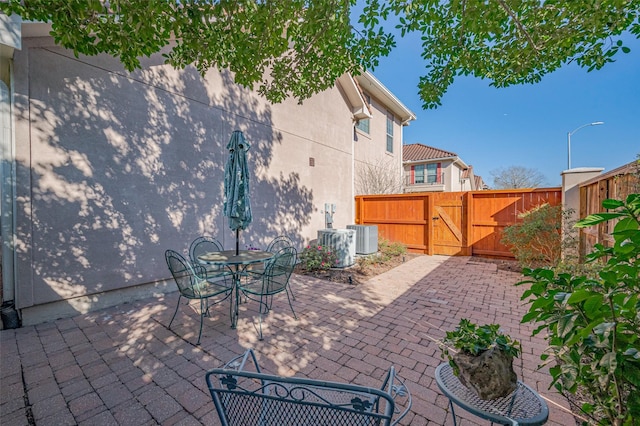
column 482, row 358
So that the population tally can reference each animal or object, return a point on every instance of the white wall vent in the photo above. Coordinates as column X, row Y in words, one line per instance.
column 343, row 241
column 366, row 238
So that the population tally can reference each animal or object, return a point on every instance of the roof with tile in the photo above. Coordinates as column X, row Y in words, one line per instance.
column 467, row 173
column 418, row 151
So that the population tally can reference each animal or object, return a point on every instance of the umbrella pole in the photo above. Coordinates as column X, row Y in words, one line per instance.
column 237, row 241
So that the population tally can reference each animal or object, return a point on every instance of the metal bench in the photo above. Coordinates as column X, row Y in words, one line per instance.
column 246, row 398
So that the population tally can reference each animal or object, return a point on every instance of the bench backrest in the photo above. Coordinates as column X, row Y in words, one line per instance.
column 246, row 398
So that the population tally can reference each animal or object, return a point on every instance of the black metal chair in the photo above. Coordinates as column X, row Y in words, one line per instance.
column 274, row 280
column 244, row 395
column 203, row 245
column 279, row 243
column 274, row 246
column 194, row 283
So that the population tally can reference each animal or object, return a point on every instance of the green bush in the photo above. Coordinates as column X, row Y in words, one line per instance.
column 537, row 240
column 387, row 250
column 592, row 320
column 318, row 258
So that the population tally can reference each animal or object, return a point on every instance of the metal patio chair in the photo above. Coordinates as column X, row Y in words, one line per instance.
column 244, row 395
column 193, row 283
column 274, row 280
column 203, row 245
column 274, row 246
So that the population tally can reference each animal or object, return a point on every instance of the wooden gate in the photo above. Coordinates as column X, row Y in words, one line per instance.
column 448, row 223
column 451, row 223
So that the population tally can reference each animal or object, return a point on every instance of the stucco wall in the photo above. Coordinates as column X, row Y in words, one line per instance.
column 114, row 168
column 371, row 148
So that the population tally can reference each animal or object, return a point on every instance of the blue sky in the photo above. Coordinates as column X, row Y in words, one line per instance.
column 526, row 125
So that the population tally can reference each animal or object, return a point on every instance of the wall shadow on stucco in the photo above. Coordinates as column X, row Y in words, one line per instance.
column 124, row 166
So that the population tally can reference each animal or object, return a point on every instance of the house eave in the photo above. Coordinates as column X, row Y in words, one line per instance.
column 432, row 160
column 359, row 107
column 372, row 85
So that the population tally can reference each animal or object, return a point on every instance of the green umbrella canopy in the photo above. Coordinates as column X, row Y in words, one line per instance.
column 237, row 206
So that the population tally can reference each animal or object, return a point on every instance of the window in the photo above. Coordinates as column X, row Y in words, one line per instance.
column 389, row 132
column 418, row 173
column 363, row 124
column 432, row 173
column 426, row 173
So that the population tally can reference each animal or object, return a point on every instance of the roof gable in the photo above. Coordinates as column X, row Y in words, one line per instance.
column 419, row 152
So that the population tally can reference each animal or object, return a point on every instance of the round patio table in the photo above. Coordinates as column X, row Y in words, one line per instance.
column 237, row 264
column 522, row 407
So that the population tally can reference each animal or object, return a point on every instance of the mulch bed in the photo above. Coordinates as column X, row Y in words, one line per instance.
column 358, row 274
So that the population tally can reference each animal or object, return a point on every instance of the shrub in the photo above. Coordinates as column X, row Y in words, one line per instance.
column 537, row 240
column 386, row 251
column 318, row 258
column 593, row 321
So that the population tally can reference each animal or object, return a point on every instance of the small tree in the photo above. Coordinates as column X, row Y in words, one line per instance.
column 298, row 48
column 537, row 240
column 514, row 177
column 380, row 177
column 545, row 237
column 593, row 321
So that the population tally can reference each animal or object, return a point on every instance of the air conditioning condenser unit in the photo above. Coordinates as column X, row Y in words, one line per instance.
column 366, row 238
column 343, row 242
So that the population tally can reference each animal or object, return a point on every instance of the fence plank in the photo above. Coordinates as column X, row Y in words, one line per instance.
column 618, row 184
column 459, row 223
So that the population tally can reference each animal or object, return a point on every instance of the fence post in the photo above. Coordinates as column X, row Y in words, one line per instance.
column 429, row 223
column 467, row 209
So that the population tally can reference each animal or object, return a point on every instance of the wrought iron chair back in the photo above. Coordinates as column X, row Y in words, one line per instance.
column 274, row 246
column 279, row 243
column 193, row 284
column 245, row 398
column 274, row 280
column 203, row 245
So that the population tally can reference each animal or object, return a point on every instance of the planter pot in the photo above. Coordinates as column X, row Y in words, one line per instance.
column 490, row 374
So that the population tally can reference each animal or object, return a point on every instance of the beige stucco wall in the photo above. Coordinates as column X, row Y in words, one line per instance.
column 113, row 168
column 371, row 148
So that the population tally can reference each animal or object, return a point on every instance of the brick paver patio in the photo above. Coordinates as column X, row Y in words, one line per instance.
column 122, row 366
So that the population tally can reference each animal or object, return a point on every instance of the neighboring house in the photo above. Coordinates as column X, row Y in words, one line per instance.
column 429, row 169
column 103, row 170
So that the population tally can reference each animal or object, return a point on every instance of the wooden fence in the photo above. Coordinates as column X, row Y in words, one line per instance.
column 451, row 223
column 617, row 184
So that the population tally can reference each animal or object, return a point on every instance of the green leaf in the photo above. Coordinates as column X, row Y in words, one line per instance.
column 626, row 224
column 609, row 362
column 528, row 317
column 632, row 352
column 578, row 296
column 594, row 219
column 611, row 204
column 593, row 304
column 566, row 325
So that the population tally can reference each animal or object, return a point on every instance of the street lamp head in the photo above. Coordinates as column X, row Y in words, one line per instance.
column 595, row 123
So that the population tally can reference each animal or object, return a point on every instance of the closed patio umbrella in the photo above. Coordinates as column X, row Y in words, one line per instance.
column 237, row 206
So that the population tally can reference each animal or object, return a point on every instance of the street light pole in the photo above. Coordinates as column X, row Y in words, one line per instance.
column 595, row 123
